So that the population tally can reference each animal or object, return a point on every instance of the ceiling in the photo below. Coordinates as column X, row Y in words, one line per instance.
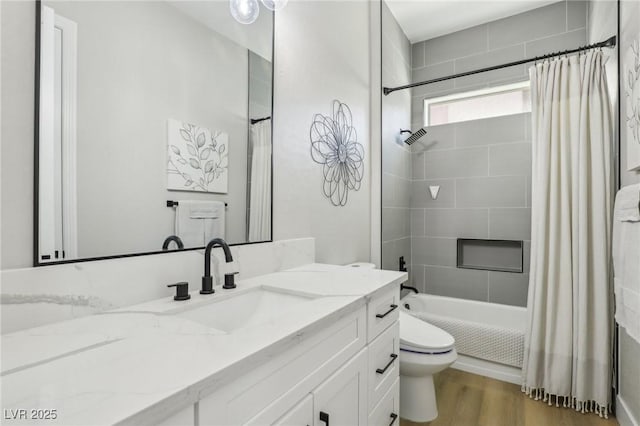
column 215, row 15
column 426, row 19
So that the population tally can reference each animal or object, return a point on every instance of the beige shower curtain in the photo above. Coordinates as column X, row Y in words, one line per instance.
column 567, row 359
column 260, row 194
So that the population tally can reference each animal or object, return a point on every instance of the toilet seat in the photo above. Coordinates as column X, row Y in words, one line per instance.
column 420, row 337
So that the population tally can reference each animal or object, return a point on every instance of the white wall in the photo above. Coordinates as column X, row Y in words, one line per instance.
column 322, row 54
column 17, row 60
column 603, row 19
column 629, row 25
column 602, row 24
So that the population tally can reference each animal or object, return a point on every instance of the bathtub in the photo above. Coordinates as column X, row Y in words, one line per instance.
column 489, row 336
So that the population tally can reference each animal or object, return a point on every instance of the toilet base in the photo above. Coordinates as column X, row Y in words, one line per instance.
column 418, row 399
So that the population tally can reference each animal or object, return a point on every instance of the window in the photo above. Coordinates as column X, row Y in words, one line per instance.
column 484, row 103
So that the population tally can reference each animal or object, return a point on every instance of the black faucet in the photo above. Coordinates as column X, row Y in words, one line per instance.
column 176, row 239
column 408, row 287
column 207, row 280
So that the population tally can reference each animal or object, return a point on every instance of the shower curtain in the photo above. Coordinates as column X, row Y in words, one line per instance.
column 260, row 194
column 568, row 345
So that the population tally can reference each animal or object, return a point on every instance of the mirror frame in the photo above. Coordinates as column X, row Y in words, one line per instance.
column 36, row 162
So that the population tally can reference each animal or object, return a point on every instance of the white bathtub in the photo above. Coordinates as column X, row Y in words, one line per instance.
column 489, row 336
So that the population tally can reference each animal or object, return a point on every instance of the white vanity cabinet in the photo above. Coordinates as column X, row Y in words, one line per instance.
column 339, row 400
column 301, row 414
column 345, row 373
column 342, row 398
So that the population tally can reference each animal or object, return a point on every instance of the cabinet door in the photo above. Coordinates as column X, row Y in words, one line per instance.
column 387, row 411
column 300, row 415
column 342, row 399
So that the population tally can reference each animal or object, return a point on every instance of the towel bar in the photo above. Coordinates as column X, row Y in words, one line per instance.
column 171, row 203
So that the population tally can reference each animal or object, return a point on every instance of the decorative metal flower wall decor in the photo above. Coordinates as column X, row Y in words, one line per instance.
column 334, row 144
column 632, row 89
column 629, row 79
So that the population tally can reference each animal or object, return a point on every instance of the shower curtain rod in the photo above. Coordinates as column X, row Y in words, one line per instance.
column 611, row 42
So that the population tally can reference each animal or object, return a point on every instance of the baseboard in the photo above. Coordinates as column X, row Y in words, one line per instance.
column 489, row 369
column 623, row 413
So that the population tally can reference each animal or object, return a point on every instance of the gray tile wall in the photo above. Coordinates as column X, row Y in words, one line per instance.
column 483, row 194
column 555, row 27
column 396, row 157
column 483, row 167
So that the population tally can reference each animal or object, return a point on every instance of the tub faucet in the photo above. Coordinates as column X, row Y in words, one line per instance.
column 207, row 280
column 408, row 287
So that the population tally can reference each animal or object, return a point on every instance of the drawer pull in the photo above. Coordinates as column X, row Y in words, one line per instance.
column 393, row 308
column 324, row 417
column 386, row 367
column 393, row 416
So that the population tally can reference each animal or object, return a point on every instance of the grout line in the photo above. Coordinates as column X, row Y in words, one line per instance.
column 455, row 193
column 399, row 208
column 424, row 221
column 399, row 177
column 488, row 161
column 487, row 31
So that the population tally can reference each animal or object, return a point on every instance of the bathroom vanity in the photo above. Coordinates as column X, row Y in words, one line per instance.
column 315, row 345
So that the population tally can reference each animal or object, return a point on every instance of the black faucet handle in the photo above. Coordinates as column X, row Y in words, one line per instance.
column 182, row 290
column 229, row 281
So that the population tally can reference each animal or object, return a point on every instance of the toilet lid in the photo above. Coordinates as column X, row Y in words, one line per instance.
column 417, row 335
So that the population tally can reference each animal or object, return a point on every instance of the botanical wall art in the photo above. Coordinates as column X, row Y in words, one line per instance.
column 630, row 81
column 197, row 158
column 334, row 144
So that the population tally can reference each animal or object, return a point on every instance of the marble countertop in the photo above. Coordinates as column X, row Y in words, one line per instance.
column 140, row 363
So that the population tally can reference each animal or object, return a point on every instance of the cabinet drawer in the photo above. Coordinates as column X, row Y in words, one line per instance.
column 342, row 398
column 384, row 363
column 387, row 412
column 382, row 311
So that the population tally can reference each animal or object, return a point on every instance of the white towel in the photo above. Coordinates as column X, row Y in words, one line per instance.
column 198, row 222
column 626, row 259
column 627, row 207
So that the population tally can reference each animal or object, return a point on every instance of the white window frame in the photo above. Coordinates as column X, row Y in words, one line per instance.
column 471, row 94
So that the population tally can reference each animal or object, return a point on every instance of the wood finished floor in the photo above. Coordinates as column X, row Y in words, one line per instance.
column 466, row 399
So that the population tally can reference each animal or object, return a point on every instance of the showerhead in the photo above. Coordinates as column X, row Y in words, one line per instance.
column 414, row 137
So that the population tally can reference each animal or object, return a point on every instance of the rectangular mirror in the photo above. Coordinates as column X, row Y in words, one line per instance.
column 152, row 119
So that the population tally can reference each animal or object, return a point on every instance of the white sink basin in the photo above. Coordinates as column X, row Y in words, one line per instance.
column 253, row 307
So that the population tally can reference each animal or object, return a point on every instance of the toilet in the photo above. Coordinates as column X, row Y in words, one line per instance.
column 424, row 350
